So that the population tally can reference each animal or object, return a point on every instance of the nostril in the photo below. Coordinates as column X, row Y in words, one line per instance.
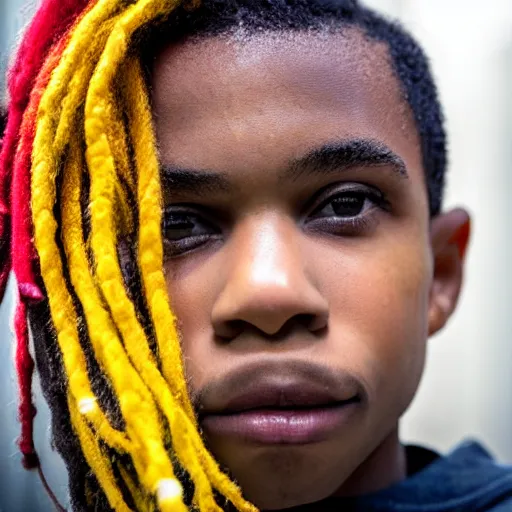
column 233, row 328
column 313, row 323
column 230, row 330
column 306, row 320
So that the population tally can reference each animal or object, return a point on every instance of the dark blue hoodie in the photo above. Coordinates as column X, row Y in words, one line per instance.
column 467, row 480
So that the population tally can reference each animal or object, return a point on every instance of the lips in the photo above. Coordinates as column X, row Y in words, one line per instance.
column 289, row 425
column 282, row 396
column 297, row 404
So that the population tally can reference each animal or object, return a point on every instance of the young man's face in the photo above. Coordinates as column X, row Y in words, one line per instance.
column 300, row 259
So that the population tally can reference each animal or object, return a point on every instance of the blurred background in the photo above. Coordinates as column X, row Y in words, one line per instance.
column 465, row 392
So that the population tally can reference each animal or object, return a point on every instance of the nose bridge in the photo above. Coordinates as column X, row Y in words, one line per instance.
column 273, row 259
column 267, row 283
column 267, row 264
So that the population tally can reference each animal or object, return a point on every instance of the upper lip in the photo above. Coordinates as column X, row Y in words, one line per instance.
column 285, row 395
column 275, row 385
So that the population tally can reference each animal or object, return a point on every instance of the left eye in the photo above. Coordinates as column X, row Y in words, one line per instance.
column 346, row 205
column 348, row 212
column 349, row 204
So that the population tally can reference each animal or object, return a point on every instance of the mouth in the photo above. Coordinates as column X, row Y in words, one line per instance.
column 281, row 416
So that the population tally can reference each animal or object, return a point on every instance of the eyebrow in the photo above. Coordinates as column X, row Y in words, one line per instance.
column 201, row 182
column 329, row 158
column 343, row 155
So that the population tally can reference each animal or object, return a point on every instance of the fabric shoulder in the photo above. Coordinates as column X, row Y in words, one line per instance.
column 466, row 480
column 504, row 506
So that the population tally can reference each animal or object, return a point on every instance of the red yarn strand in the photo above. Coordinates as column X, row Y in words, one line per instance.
column 23, row 253
column 51, row 21
column 26, row 87
column 25, row 369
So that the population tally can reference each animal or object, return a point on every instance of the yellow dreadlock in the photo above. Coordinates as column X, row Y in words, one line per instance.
column 81, row 133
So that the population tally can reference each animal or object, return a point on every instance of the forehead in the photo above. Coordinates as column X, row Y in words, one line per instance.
column 279, row 93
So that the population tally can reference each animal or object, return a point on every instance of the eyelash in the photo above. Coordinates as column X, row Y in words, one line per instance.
column 176, row 216
column 355, row 225
column 358, row 225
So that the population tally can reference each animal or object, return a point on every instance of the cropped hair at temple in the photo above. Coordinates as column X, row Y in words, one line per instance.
column 80, row 228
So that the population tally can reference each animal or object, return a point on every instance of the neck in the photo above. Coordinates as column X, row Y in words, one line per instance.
column 385, row 466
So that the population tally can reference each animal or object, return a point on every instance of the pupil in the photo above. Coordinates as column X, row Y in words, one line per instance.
column 348, row 205
column 178, row 222
column 177, row 227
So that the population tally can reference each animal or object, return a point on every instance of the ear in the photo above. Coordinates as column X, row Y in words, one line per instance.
column 449, row 240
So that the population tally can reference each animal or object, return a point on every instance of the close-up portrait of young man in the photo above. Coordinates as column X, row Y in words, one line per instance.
column 226, row 226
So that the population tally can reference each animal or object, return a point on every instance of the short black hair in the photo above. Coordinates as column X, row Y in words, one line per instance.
column 407, row 59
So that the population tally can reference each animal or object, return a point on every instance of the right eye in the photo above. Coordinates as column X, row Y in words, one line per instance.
column 185, row 230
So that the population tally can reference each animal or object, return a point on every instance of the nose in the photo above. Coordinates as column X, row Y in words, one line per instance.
column 267, row 286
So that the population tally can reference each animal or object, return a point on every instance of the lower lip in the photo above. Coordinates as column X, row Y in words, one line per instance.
column 274, row 426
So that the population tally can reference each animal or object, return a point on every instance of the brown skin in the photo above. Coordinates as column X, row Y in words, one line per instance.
column 373, row 291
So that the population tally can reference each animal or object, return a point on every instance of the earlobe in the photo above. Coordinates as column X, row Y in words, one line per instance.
column 450, row 234
column 440, row 310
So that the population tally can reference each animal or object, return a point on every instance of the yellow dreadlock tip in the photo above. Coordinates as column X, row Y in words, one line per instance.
column 87, row 405
column 169, row 491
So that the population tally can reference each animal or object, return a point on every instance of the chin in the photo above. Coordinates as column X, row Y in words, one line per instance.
column 280, row 477
column 284, row 499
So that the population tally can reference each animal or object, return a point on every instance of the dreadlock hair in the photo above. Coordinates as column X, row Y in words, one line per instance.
column 80, row 220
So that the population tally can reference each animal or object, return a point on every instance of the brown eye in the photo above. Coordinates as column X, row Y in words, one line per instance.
column 184, row 231
column 345, row 205
column 349, row 212
column 349, row 204
column 178, row 226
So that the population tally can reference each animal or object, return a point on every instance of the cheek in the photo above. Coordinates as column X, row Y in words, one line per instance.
column 379, row 312
column 192, row 288
column 378, row 305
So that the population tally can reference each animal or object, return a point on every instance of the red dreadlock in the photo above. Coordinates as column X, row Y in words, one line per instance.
column 25, row 88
